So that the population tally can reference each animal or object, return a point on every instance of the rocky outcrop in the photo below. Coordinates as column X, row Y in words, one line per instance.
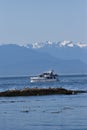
column 38, row 91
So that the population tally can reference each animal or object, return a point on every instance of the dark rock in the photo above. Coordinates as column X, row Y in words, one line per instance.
column 39, row 91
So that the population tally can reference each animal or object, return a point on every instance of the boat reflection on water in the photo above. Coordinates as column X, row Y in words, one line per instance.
column 48, row 76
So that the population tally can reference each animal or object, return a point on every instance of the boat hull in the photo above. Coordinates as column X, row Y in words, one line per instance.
column 32, row 80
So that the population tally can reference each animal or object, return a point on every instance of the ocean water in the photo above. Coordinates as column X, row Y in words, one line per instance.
column 54, row 112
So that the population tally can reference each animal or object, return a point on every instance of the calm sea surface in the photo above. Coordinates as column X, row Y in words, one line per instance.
column 54, row 112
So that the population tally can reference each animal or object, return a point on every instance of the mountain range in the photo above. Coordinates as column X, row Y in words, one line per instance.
column 64, row 57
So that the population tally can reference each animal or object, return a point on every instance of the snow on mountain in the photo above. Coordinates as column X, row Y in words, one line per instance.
column 81, row 45
column 67, row 43
column 58, row 44
column 38, row 45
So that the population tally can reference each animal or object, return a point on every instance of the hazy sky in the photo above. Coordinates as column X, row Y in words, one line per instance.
column 40, row 20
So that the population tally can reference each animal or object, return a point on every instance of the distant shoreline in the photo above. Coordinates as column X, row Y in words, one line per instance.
column 22, row 76
column 39, row 92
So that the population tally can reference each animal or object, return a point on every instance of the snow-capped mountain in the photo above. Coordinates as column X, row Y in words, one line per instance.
column 64, row 50
column 27, row 60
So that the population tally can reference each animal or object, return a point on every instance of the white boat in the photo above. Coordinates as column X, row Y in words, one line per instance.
column 45, row 77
